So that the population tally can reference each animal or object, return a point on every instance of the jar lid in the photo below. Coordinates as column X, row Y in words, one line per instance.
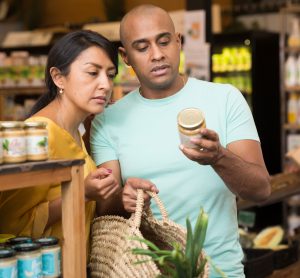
column 26, row 247
column 12, row 124
column 190, row 118
column 7, row 252
column 35, row 124
column 47, row 241
column 18, row 240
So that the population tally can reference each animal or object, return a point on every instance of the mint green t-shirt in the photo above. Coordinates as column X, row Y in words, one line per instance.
column 142, row 134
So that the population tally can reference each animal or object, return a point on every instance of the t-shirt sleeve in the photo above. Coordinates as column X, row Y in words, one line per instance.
column 102, row 148
column 240, row 122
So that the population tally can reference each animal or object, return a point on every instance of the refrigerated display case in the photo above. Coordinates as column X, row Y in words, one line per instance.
column 250, row 62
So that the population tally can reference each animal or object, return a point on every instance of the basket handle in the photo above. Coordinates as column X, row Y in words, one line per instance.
column 137, row 216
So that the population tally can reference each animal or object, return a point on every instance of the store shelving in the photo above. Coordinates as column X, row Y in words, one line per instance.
column 287, row 91
column 240, row 59
column 70, row 174
column 22, row 91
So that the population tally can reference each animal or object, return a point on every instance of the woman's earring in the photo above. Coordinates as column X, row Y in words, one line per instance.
column 61, row 91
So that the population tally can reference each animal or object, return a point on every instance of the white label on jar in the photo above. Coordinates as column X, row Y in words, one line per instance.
column 186, row 140
column 30, row 267
column 37, row 145
column 14, row 146
column 51, row 262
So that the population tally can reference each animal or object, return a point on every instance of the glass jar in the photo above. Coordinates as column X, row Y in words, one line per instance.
column 51, row 256
column 1, row 145
column 36, row 141
column 14, row 142
column 190, row 121
column 29, row 260
column 8, row 263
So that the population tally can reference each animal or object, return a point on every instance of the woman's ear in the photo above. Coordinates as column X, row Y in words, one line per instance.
column 124, row 56
column 57, row 77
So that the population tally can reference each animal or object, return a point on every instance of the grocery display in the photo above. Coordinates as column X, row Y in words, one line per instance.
column 240, row 59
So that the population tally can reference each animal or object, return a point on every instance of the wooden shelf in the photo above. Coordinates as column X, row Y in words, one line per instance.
column 291, row 9
column 22, row 91
column 294, row 89
column 292, row 50
column 70, row 174
column 283, row 185
column 292, row 127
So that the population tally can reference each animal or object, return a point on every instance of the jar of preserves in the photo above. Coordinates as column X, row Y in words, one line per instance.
column 36, row 141
column 14, row 142
column 51, row 256
column 29, row 259
column 8, row 263
column 190, row 121
column 1, row 145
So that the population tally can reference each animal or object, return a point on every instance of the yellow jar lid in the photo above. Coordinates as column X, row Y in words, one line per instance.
column 5, row 237
column 190, row 118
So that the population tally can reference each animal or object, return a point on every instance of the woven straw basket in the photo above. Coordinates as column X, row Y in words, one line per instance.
column 111, row 255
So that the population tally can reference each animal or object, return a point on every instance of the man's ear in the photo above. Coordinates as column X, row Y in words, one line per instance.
column 57, row 77
column 123, row 54
column 178, row 39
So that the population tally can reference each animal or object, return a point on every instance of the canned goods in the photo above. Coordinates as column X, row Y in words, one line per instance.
column 190, row 121
column 14, row 142
column 36, row 141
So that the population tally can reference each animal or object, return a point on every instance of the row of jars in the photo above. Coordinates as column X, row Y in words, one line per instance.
column 23, row 257
column 23, row 141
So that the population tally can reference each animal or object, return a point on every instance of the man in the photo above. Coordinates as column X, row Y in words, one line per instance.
column 138, row 137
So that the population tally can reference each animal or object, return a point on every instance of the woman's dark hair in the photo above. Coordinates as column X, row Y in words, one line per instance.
column 64, row 52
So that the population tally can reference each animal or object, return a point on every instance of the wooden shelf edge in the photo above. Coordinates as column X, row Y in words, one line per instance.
column 22, row 90
column 292, row 8
column 291, row 126
column 292, row 89
column 283, row 185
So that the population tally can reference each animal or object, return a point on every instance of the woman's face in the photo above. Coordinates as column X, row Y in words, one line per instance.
column 88, row 86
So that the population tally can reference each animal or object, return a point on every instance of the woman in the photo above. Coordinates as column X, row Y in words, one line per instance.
column 79, row 76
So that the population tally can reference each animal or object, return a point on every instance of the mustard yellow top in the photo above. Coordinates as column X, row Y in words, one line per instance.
column 25, row 211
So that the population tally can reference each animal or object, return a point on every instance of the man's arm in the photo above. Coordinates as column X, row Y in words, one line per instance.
column 240, row 164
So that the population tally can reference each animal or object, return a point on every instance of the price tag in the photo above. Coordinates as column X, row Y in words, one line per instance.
column 246, row 218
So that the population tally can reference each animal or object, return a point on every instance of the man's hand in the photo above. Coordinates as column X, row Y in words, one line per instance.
column 209, row 149
column 129, row 196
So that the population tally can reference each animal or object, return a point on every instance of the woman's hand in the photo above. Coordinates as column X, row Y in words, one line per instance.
column 129, row 196
column 100, row 185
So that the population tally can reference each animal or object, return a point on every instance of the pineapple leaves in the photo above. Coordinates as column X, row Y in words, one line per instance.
column 181, row 262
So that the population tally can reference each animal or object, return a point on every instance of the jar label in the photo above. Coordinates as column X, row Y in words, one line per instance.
column 37, row 145
column 30, row 267
column 186, row 140
column 14, row 146
column 51, row 263
column 9, row 271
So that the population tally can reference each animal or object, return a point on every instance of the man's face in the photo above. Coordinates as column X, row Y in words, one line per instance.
column 153, row 49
